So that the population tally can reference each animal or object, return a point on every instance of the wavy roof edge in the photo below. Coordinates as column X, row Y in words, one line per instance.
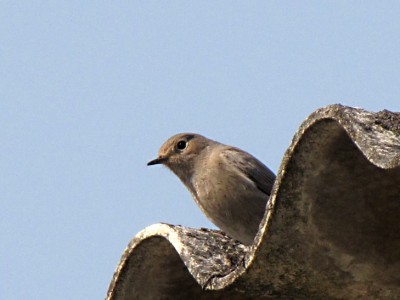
column 330, row 228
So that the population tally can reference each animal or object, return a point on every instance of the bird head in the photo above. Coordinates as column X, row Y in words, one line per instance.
column 181, row 152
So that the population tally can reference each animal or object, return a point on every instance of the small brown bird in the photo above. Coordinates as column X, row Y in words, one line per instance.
column 229, row 185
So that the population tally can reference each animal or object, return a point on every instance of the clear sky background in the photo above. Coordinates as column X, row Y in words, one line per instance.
column 89, row 90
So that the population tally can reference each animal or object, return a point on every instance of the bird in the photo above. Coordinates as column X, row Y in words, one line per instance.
column 230, row 186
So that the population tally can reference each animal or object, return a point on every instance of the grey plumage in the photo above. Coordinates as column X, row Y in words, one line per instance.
column 229, row 185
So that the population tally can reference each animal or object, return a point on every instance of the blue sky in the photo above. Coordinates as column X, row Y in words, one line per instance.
column 90, row 90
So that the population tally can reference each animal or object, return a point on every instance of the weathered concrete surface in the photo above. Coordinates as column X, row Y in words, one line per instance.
column 331, row 228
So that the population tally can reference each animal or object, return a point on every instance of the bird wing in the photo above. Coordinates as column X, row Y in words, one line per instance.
column 254, row 169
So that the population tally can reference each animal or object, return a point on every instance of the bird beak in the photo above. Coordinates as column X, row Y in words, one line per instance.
column 157, row 161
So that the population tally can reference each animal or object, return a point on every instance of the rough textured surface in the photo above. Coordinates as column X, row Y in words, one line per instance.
column 331, row 228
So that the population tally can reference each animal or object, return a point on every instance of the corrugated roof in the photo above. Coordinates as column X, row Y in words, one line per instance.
column 331, row 228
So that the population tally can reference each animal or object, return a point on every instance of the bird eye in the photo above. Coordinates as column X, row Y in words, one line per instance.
column 181, row 145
